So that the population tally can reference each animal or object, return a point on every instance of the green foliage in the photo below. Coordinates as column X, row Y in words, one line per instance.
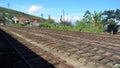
column 111, row 21
column 97, row 17
column 87, row 15
column 86, row 27
column 81, row 25
column 2, row 18
column 50, row 20
column 14, row 25
column 92, row 29
column 56, row 26
column 65, row 23
column 47, row 25
column 111, row 14
column 97, row 20
column 90, row 23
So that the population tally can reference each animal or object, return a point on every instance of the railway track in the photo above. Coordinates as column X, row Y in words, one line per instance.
column 23, row 56
column 86, row 51
column 10, row 57
column 35, row 57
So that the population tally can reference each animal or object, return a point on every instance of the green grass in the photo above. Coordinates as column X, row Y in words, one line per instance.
column 11, row 24
column 72, row 28
column 62, row 27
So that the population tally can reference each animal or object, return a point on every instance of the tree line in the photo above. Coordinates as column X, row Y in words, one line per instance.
column 98, row 20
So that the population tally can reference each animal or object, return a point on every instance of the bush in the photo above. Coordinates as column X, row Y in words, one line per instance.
column 81, row 27
column 11, row 24
column 92, row 29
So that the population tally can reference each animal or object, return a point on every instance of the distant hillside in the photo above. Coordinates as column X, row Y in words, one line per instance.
column 18, row 14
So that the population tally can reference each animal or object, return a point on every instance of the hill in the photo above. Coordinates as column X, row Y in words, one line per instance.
column 14, row 13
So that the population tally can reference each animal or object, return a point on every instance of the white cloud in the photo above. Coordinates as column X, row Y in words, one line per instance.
column 72, row 18
column 34, row 9
column 55, row 18
column 67, row 18
column 76, row 18
column 76, row 14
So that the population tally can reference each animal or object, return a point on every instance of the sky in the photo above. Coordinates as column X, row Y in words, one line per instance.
column 73, row 9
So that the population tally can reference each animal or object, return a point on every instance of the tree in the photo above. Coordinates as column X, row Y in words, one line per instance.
column 111, row 21
column 97, row 18
column 112, row 14
column 50, row 20
column 61, row 17
column 2, row 18
column 7, row 15
column 42, row 15
column 81, row 24
column 109, row 14
column 63, row 22
column 111, row 26
column 117, row 14
column 87, row 16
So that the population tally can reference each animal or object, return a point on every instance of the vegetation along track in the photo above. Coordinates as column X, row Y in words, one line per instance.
column 76, row 48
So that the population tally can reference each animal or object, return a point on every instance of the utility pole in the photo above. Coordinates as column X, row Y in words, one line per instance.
column 63, row 15
column 67, row 17
column 41, row 17
column 8, row 5
column 49, row 18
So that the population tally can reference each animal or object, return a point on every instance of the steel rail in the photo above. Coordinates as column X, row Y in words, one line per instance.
column 12, row 45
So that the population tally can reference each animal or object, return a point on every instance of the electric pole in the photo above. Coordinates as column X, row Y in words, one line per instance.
column 63, row 15
column 8, row 5
column 67, row 17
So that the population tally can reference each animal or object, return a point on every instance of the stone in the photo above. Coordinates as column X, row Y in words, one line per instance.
column 117, row 65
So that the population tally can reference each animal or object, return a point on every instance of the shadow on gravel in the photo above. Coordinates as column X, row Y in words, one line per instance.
column 9, row 58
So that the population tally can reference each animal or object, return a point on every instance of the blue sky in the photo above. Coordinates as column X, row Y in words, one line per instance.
column 74, row 9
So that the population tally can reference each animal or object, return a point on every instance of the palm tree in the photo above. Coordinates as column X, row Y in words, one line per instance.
column 97, row 18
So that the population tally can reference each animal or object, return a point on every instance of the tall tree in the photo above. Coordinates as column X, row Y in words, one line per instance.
column 61, row 18
column 117, row 14
column 50, row 20
column 2, row 18
column 42, row 15
column 97, row 17
column 87, row 16
column 63, row 22
column 111, row 14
